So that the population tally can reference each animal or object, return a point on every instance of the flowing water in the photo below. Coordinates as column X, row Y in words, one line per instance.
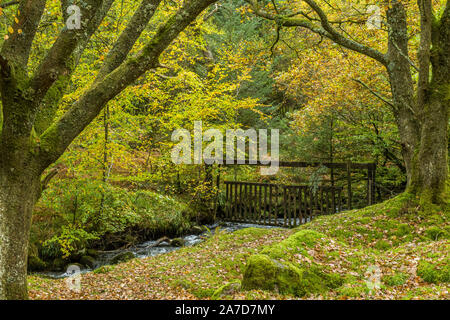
column 148, row 248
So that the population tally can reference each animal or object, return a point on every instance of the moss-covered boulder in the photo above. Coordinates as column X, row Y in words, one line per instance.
column 122, row 257
column 277, row 268
column 263, row 272
column 87, row 261
column 59, row 264
column 227, row 289
column 36, row 264
column 177, row 242
column 197, row 230
column 92, row 252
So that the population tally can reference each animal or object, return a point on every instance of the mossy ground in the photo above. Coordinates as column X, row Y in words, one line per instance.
column 408, row 248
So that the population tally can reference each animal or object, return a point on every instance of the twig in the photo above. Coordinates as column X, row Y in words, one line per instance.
column 376, row 94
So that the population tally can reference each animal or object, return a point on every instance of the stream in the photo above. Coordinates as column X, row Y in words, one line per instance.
column 148, row 248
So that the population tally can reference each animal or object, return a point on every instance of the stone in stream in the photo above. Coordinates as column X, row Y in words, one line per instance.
column 59, row 264
column 36, row 264
column 197, row 230
column 88, row 261
column 177, row 242
column 92, row 252
column 123, row 257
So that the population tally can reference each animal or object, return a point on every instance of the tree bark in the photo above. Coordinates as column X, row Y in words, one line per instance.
column 430, row 172
column 18, row 194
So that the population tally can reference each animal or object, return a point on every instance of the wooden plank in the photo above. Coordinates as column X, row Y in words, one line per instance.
column 265, row 205
column 333, row 200
column 270, row 203
column 301, row 164
column 328, row 201
column 241, row 209
column 349, row 186
column 235, row 209
column 228, row 201
column 339, row 200
column 260, row 211
column 295, row 193
column 284, row 204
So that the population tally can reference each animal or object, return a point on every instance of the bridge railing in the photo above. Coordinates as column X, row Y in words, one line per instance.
column 278, row 205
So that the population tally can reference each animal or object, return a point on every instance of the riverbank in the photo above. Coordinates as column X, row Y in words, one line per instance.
column 410, row 250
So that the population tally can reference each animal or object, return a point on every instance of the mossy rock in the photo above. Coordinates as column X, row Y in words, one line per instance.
column 434, row 273
column 197, row 230
column 92, row 252
column 103, row 269
column 87, row 261
column 383, row 245
column 298, row 242
column 227, row 289
column 59, row 264
column 36, row 264
column 397, row 279
column 177, row 242
column 122, row 257
column 436, row 233
column 265, row 273
column 78, row 255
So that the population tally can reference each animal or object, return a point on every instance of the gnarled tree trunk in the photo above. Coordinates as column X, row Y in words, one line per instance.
column 18, row 193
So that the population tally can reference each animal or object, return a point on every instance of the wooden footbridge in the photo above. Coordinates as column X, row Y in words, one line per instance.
column 292, row 205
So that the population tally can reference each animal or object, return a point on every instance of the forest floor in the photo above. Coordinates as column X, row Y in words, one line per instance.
column 410, row 250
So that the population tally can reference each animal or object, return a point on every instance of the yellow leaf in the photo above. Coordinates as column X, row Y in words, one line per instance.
column 16, row 20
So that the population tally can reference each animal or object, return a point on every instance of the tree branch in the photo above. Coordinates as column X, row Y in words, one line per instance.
column 126, row 40
column 59, row 135
column 16, row 49
column 376, row 94
column 48, row 106
column 57, row 63
column 325, row 29
column 8, row 4
column 424, row 54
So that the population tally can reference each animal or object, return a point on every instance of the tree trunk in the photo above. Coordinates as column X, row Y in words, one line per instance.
column 430, row 168
column 430, row 172
column 18, row 194
column 422, row 123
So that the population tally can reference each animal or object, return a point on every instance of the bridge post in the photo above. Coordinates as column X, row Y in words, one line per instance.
column 349, row 186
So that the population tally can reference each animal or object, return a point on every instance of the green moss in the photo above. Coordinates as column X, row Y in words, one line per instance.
column 265, row 273
column 297, row 243
column 270, row 271
column 382, row 245
column 396, row 279
column 87, row 261
column 36, row 264
column 122, row 257
column 103, row 269
column 434, row 273
column 227, row 289
column 356, row 290
column 436, row 233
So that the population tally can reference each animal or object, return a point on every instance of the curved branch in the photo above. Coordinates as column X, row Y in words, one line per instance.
column 126, row 40
column 325, row 29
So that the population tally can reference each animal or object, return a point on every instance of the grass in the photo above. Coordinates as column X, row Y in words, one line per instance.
column 409, row 250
